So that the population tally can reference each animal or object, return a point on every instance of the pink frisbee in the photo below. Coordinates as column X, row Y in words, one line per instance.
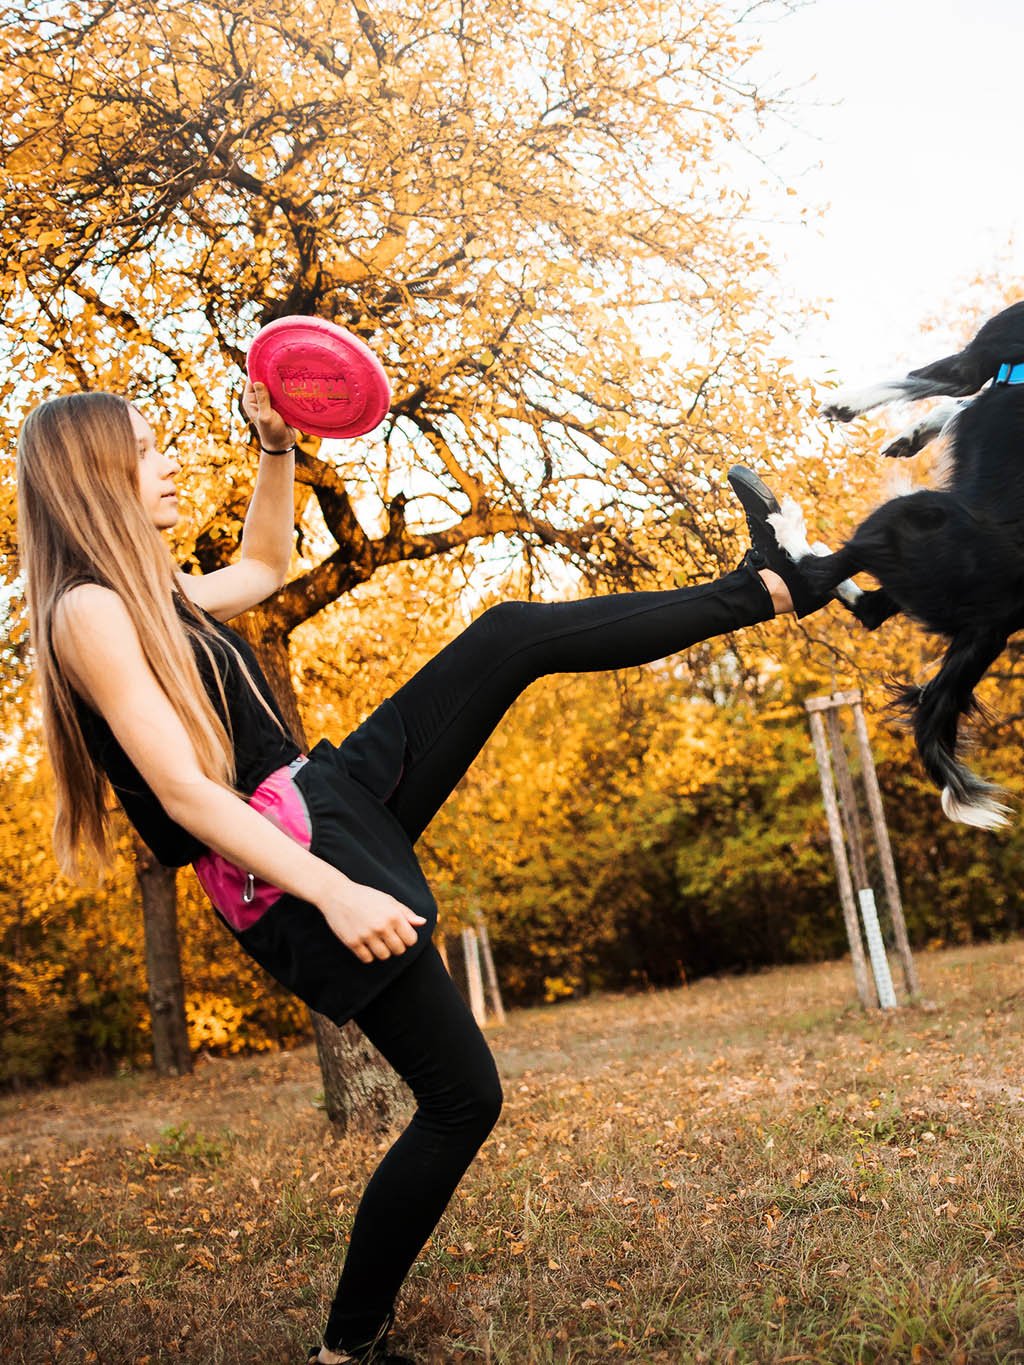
column 322, row 379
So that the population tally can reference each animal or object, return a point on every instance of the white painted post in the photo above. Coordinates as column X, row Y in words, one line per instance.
column 835, row 830
column 497, row 1004
column 879, row 961
column 892, row 886
column 474, row 979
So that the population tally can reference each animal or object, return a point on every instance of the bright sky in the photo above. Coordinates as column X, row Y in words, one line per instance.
column 917, row 133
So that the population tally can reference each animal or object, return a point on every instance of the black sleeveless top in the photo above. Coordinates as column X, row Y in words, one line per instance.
column 260, row 747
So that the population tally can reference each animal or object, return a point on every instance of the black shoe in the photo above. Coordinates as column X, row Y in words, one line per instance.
column 373, row 1352
column 376, row 1357
column 758, row 503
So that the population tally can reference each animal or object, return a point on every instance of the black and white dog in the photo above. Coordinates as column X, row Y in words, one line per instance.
column 950, row 558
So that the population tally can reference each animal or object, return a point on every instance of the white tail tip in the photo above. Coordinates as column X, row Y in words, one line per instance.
column 983, row 813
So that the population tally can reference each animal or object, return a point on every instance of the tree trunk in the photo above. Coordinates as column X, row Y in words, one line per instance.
column 359, row 1086
column 158, row 888
column 270, row 645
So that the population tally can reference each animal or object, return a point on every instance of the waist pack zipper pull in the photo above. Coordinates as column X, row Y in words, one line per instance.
column 249, row 894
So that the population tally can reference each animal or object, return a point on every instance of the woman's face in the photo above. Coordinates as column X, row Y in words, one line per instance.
column 156, row 475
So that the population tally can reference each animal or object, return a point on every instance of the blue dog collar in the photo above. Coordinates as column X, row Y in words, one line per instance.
column 1010, row 374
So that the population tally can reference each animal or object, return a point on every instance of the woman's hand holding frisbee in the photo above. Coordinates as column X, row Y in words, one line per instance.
column 273, row 431
column 321, row 379
column 370, row 922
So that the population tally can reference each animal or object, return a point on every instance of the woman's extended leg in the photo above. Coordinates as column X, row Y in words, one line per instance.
column 425, row 1030
column 420, row 1023
column 451, row 706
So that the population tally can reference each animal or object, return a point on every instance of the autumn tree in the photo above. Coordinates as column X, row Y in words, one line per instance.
column 521, row 211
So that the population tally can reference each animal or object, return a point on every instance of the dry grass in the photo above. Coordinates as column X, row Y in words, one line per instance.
column 748, row 1170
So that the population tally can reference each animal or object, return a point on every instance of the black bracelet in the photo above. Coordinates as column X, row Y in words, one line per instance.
column 286, row 451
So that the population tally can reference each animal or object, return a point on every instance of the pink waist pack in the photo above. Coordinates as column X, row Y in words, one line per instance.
column 239, row 895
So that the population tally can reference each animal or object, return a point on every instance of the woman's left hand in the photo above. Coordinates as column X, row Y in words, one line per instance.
column 274, row 432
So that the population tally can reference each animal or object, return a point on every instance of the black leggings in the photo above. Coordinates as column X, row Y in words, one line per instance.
column 420, row 1022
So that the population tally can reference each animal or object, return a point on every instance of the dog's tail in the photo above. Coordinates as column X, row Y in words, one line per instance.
column 935, row 711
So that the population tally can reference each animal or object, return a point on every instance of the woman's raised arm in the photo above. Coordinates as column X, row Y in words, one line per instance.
column 268, row 532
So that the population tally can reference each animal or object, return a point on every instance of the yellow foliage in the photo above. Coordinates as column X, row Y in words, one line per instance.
column 521, row 209
column 217, row 1023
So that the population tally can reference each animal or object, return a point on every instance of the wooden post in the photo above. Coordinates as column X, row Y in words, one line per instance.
column 847, row 802
column 876, row 949
column 854, row 839
column 860, row 968
column 471, row 967
column 885, row 858
column 855, row 843
column 442, row 948
column 471, row 949
column 492, row 976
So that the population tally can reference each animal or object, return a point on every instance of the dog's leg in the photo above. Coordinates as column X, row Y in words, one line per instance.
column 850, row 403
column 955, row 376
column 916, row 437
column 791, row 533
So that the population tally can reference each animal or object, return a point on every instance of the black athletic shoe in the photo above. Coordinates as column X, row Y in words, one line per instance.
column 373, row 1352
column 758, row 503
column 361, row 1358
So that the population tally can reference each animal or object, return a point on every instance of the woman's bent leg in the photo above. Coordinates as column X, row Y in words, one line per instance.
column 451, row 706
column 424, row 1029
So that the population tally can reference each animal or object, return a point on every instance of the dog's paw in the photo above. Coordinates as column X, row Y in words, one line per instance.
column 938, row 422
column 790, row 529
column 902, row 447
column 838, row 412
column 847, row 404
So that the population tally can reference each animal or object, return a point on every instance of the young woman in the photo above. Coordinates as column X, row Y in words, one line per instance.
column 309, row 861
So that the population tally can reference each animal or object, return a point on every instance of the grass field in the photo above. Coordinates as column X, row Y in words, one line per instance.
column 750, row 1169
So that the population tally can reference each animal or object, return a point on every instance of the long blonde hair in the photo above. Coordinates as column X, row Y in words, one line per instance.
column 80, row 519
